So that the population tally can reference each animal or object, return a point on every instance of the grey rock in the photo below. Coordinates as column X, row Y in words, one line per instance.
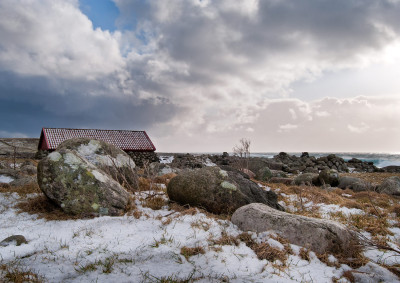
column 29, row 169
column 281, row 180
column 390, row 186
column 319, row 235
column 79, row 187
column 329, row 176
column 16, row 240
column 23, row 180
column 352, row 183
column 218, row 191
column 306, row 179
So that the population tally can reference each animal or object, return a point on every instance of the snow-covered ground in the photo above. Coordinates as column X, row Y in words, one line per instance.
column 149, row 248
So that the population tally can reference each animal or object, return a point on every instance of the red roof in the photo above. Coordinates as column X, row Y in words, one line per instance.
column 126, row 140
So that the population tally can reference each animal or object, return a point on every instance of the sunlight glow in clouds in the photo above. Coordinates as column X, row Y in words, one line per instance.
column 199, row 75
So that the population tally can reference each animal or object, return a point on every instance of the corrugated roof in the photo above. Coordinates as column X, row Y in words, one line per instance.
column 123, row 139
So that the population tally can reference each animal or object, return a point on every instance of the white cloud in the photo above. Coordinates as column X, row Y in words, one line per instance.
column 287, row 127
column 53, row 38
column 358, row 129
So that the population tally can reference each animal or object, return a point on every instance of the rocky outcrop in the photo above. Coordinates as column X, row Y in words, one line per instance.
column 319, row 235
column 218, row 191
column 391, row 169
column 390, row 186
column 78, row 186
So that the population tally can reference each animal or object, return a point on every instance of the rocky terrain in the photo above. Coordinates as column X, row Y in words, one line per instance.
column 93, row 215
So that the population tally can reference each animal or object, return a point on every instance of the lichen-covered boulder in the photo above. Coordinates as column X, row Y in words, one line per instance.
column 218, row 191
column 79, row 187
column 329, row 177
column 320, row 235
column 109, row 158
column 390, row 186
column 307, row 179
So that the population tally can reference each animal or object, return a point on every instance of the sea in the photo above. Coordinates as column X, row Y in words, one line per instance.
column 379, row 159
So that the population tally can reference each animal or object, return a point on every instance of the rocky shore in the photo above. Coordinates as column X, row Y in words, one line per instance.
column 289, row 164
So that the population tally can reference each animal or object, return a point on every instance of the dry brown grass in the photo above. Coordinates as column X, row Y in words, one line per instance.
column 225, row 239
column 189, row 210
column 31, row 188
column 304, row 254
column 154, row 202
column 374, row 178
column 349, row 276
column 188, row 252
column 164, row 179
column 395, row 209
column 266, row 251
column 46, row 209
column 15, row 274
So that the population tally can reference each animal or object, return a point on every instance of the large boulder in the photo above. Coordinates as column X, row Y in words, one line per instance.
column 217, row 190
column 79, row 187
column 352, row 183
column 319, row 235
column 390, row 186
column 109, row 158
column 329, row 177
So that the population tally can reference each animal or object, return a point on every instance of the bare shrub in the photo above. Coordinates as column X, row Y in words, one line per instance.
column 242, row 154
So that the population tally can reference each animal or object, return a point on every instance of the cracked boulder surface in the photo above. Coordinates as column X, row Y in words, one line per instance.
column 78, row 186
column 319, row 235
column 217, row 191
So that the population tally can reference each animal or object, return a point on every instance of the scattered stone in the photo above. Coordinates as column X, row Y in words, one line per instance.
column 23, row 180
column 307, row 179
column 29, row 169
column 329, row 177
column 320, row 235
column 391, row 169
column 16, row 240
column 390, row 186
column 352, row 183
column 79, row 187
column 218, row 191
column 281, row 180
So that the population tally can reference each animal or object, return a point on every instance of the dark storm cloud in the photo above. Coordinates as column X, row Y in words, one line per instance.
column 29, row 103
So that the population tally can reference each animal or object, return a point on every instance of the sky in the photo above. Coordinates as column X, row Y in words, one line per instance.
column 199, row 75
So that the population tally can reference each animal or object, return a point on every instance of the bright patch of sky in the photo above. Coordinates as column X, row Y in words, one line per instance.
column 102, row 13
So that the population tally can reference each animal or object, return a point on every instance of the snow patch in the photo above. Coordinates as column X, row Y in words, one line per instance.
column 6, row 179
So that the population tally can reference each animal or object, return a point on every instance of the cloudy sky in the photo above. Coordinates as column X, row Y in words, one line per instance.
column 198, row 75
